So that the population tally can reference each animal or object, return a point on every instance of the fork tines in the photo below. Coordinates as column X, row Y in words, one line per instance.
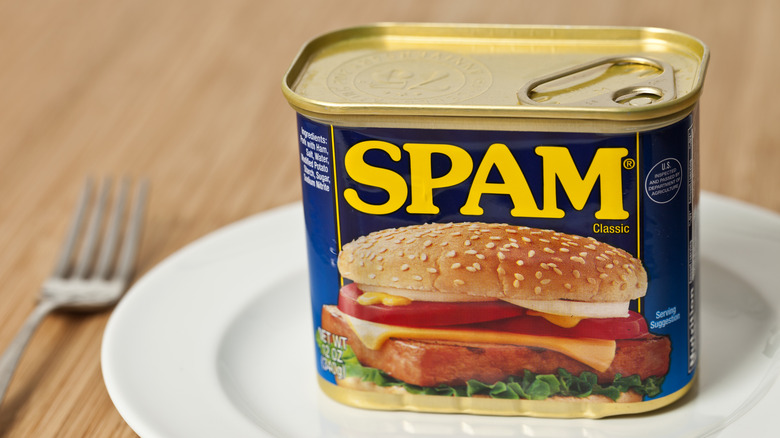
column 84, row 264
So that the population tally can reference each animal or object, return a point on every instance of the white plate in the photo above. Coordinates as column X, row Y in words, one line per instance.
column 217, row 341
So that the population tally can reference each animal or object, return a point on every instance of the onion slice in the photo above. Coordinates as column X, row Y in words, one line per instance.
column 575, row 308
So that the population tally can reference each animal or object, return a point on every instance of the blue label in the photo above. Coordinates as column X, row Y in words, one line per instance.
column 634, row 191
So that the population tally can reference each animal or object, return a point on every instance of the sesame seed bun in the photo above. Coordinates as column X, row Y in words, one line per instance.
column 494, row 261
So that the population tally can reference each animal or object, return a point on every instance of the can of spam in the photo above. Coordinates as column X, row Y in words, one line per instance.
column 501, row 219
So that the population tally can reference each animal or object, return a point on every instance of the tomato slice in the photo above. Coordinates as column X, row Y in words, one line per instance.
column 487, row 315
column 631, row 327
column 425, row 313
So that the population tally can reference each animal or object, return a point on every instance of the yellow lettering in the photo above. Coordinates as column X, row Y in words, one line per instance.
column 385, row 179
column 514, row 184
column 421, row 171
column 606, row 168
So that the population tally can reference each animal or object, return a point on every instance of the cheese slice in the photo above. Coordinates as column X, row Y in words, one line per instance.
column 596, row 353
column 559, row 320
column 371, row 298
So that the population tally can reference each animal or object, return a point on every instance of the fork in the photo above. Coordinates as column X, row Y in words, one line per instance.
column 79, row 282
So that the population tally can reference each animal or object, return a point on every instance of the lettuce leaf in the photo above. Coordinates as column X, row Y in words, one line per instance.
column 529, row 386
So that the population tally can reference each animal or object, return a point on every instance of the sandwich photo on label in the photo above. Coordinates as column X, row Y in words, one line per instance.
column 494, row 310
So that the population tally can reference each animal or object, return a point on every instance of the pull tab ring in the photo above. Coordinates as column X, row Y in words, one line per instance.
column 658, row 89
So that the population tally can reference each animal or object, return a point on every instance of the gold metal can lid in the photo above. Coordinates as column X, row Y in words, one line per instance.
column 504, row 72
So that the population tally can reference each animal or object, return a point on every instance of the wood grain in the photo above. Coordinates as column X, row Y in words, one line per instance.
column 187, row 93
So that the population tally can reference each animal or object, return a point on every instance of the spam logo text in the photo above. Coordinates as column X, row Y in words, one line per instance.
column 477, row 175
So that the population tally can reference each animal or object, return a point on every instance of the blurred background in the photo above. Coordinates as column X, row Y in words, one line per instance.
column 187, row 93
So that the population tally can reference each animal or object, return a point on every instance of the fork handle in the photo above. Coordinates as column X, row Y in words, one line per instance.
column 13, row 353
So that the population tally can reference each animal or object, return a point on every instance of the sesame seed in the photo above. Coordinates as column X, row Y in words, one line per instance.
column 481, row 256
column 544, row 266
column 412, row 256
column 526, row 239
column 451, row 253
column 400, row 254
column 490, row 245
column 545, row 281
column 545, row 240
column 519, row 263
column 471, row 269
column 538, row 274
column 432, row 270
column 495, row 237
column 592, row 280
column 548, row 250
column 501, row 270
column 567, row 286
column 537, row 290
column 623, row 286
column 372, row 276
column 516, row 283
column 591, row 247
column 603, row 276
column 417, row 277
column 471, row 251
column 457, row 233
column 455, row 266
column 577, row 259
column 501, row 256
column 558, row 271
column 609, row 266
column 467, row 243
column 564, row 250
column 424, row 257
column 511, row 231
column 459, row 282
column 394, row 278
column 576, row 273
column 514, row 245
column 477, row 266
column 404, row 267
column 379, row 268
column 427, row 243
column 519, row 276
column 531, row 253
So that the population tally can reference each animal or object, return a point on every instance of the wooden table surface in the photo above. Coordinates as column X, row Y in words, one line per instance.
column 187, row 93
